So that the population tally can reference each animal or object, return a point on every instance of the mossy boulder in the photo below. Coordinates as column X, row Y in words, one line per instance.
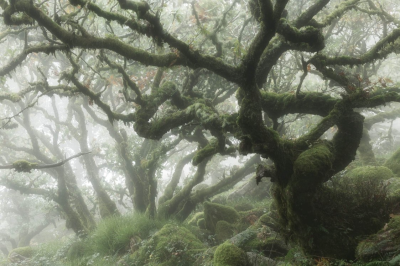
column 206, row 258
column 224, row 230
column 383, row 245
column 261, row 240
column 197, row 216
column 371, row 172
column 172, row 245
column 228, row 254
column 249, row 218
column 201, row 223
column 256, row 259
column 21, row 254
column 216, row 212
column 268, row 219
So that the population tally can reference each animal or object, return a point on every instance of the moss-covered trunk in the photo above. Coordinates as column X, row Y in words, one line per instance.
column 299, row 215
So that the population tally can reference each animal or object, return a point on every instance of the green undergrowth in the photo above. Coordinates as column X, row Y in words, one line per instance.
column 237, row 231
column 113, row 239
column 113, row 235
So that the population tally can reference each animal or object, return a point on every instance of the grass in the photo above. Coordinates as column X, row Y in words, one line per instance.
column 113, row 235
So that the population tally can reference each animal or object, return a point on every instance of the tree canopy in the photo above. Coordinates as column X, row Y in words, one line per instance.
column 139, row 91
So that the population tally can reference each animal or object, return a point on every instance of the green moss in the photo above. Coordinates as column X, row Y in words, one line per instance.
column 393, row 163
column 196, row 218
column 23, row 166
column 21, row 253
column 171, row 245
column 224, row 230
column 229, row 255
column 13, row 97
column 370, row 172
column 393, row 186
column 216, row 212
column 201, row 223
column 383, row 245
column 328, row 220
column 208, row 150
column 114, row 234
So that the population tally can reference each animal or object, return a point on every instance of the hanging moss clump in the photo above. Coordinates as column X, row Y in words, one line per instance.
column 24, row 166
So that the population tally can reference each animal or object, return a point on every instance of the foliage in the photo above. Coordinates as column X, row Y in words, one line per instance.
column 113, row 235
column 368, row 172
column 169, row 97
column 171, row 245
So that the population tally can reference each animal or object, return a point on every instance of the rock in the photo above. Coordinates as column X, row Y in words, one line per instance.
column 228, row 254
column 216, row 212
column 262, row 240
column 383, row 245
column 371, row 172
column 195, row 218
column 201, row 223
column 172, row 245
column 224, row 231
column 20, row 254
column 255, row 259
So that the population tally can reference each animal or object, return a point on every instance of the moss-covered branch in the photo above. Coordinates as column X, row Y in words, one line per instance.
column 90, row 42
column 27, row 167
column 309, row 35
column 375, row 53
column 307, row 15
column 278, row 105
column 381, row 117
column 337, row 13
column 97, row 99
column 47, row 49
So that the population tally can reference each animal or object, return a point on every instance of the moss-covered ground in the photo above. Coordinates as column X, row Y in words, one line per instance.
column 354, row 209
